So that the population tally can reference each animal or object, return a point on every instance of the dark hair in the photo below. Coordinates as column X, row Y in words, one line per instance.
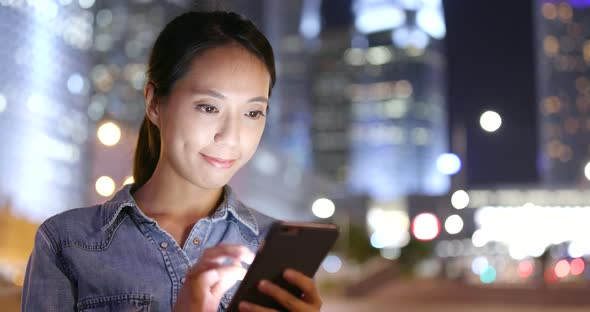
column 181, row 40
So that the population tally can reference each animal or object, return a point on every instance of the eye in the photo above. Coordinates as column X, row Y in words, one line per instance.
column 255, row 114
column 210, row 109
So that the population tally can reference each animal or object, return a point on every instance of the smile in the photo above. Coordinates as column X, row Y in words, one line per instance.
column 217, row 162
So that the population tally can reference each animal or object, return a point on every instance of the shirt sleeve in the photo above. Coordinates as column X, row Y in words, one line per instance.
column 46, row 286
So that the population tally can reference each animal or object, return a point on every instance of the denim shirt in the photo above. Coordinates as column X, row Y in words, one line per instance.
column 112, row 257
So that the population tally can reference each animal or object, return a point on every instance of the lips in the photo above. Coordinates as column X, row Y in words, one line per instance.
column 218, row 162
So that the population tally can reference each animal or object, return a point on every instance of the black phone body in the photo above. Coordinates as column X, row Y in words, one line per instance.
column 299, row 246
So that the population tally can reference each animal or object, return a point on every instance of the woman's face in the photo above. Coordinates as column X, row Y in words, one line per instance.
column 213, row 119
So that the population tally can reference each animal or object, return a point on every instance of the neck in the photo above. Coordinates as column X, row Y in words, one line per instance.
column 168, row 194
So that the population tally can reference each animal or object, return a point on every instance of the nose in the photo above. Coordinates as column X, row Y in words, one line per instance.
column 228, row 132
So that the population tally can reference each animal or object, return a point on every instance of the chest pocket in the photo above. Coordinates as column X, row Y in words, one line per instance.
column 119, row 303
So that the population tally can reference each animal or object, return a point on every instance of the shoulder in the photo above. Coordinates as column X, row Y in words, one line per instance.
column 88, row 218
column 74, row 226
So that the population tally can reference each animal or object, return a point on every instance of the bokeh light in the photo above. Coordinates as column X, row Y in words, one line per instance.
column 425, row 226
column 460, row 199
column 448, row 163
column 525, row 269
column 323, row 208
column 587, row 171
column 577, row 266
column 490, row 121
column 479, row 238
column 488, row 275
column 332, row 264
column 562, row 268
column 454, row 224
column 105, row 186
column 479, row 265
column 109, row 133
column 3, row 103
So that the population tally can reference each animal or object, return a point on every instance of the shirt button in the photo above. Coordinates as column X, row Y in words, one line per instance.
column 196, row 241
column 164, row 245
column 182, row 280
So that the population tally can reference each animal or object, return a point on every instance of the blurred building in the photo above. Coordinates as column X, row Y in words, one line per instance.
column 398, row 116
column 330, row 77
column 44, row 92
column 563, row 90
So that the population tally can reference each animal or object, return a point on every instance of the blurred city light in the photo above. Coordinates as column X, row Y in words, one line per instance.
column 323, row 208
column 488, row 275
column 389, row 238
column 378, row 55
column 579, row 247
column 3, row 103
column 448, row 163
column 354, row 56
column 454, row 224
column 529, row 229
column 490, row 121
column 105, row 186
column 406, row 37
column 390, row 253
column 526, row 268
column 479, row 265
column 431, row 20
column 479, row 238
column 562, row 268
column 310, row 25
column 390, row 228
column 587, row 171
column 332, row 264
column 109, row 133
column 460, row 199
column 129, row 180
column 425, row 226
column 75, row 84
column 374, row 16
column 577, row 266
column 86, row 4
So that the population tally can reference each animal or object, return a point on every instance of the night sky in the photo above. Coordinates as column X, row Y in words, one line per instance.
column 491, row 65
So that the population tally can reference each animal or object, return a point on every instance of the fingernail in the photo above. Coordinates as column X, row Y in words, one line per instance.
column 244, row 306
column 289, row 273
column 263, row 284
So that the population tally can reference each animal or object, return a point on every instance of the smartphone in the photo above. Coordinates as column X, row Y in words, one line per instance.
column 298, row 246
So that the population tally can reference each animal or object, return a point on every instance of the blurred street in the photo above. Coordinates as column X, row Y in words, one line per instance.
column 427, row 297
column 441, row 297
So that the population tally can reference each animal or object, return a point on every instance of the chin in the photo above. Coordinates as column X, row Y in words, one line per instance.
column 211, row 182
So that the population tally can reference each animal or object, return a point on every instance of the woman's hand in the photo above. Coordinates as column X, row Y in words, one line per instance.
column 310, row 301
column 210, row 278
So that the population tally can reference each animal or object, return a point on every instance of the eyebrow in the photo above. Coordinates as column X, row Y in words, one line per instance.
column 218, row 95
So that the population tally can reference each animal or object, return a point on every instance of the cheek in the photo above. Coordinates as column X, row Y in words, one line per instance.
column 250, row 139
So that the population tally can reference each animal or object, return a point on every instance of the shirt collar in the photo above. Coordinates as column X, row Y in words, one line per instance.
column 230, row 206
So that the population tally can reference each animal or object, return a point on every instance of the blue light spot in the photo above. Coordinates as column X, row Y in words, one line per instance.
column 448, row 163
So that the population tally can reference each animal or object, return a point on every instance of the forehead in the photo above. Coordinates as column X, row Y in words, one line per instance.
column 228, row 65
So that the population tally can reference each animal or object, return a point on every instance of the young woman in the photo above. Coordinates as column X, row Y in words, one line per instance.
column 178, row 239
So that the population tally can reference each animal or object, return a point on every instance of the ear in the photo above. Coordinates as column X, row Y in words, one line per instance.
column 152, row 109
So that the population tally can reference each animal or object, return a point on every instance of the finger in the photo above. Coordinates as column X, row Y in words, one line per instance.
column 306, row 284
column 239, row 252
column 250, row 307
column 285, row 298
column 227, row 277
